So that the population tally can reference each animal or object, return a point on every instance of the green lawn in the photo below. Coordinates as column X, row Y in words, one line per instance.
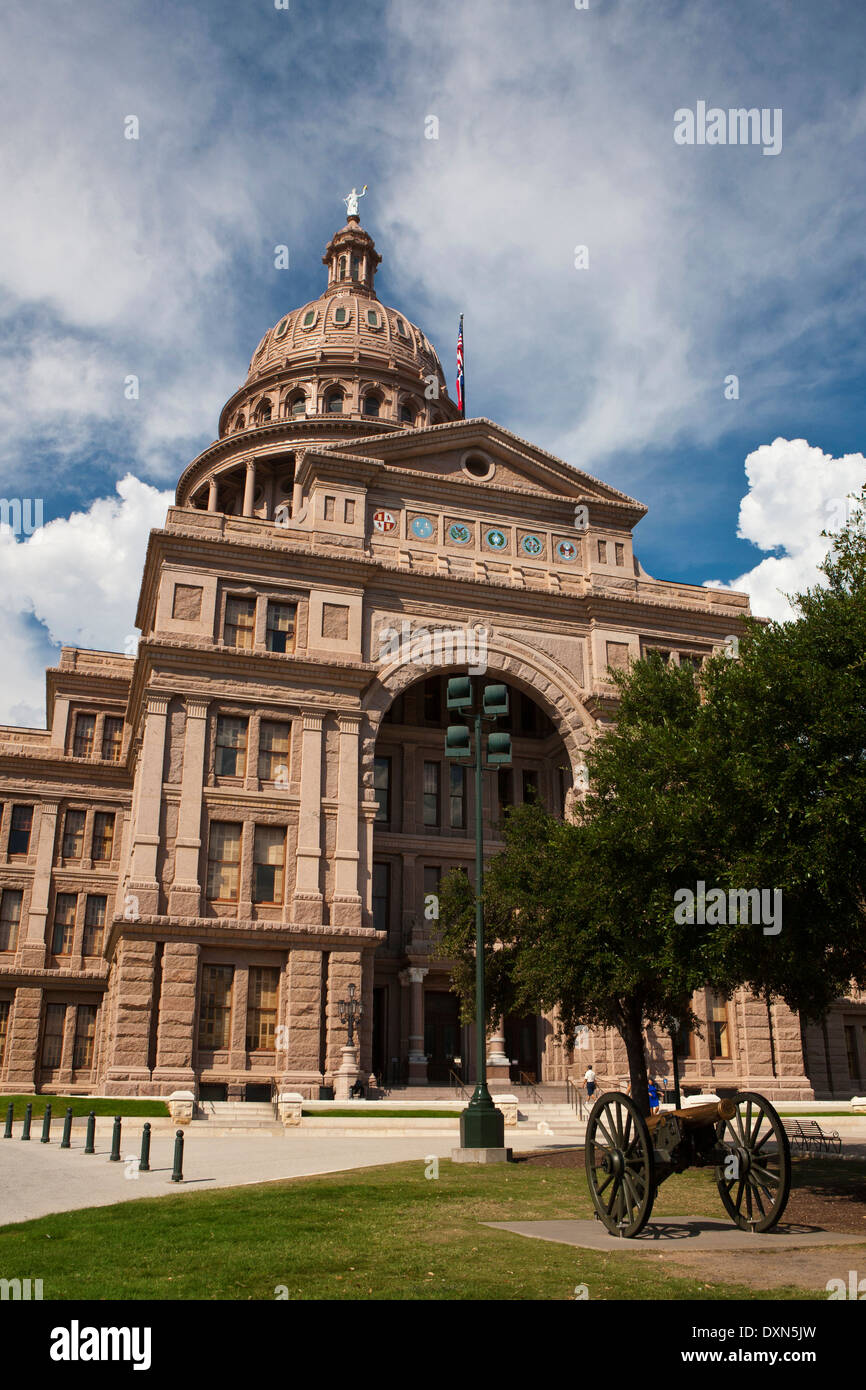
column 81, row 1105
column 381, row 1233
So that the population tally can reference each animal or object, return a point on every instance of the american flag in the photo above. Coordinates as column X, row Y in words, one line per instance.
column 461, row 405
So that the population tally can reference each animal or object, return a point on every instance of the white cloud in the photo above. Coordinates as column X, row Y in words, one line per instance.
column 74, row 581
column 795, row 492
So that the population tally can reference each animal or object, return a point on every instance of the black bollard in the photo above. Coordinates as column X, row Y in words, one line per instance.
column 114, row 1156
column 67, row 1129
column 28, row 1116
column 10, row 1116
column 91, row 1131
column 144, row 1161
column 46, row 1126
column 177, row 1170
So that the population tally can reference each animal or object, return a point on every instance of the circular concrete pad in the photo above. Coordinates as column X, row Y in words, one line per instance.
column 676, row 1233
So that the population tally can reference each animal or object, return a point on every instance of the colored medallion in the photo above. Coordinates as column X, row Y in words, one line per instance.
column 566, row 551
column 422, row 527
column 461, row 535
column 384, row 521
column 532, row 545
column 497, row 540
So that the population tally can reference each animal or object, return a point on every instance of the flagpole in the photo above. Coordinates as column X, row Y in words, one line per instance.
column 461, row 373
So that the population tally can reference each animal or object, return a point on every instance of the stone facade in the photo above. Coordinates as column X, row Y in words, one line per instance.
column 215, row 838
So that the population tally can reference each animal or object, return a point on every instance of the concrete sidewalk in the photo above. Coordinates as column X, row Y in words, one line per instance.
column 38, row 1179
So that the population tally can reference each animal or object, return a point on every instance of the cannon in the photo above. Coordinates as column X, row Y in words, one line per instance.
column 628, row 1156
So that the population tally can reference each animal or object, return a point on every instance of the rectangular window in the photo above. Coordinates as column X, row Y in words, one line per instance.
column 457, row 796
column 602, row 552
column 851, row 1049
column 85, row 1033
column 240, row 623
column 381, row 896
column 215, row 1016
column 19, row 833
column 224, row 862
column 72, row 846
column 64, row 923
column 503, row 787
column 330, row 502
column 103, row 835
column 85, row 730
column 94, row 924
column 432, row 879
column 274, row 752
column 52, row 1035
column 4, row 1027
column 281, row 627
column 231, row 747
column 530, row 784
column 382, row 788
column 619, row 553
column 432, row 777
column 717, row 1032
column 269, row 864
column 433, row 701
column 691, row 659
column 264, row 984
column 349, row 512
column 10, row 917
column 685, row 1042
column 112, row 738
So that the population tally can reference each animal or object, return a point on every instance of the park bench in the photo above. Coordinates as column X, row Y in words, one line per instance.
column 809, row 1137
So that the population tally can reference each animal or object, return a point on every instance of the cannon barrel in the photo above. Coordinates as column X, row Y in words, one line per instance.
column 696, row 1116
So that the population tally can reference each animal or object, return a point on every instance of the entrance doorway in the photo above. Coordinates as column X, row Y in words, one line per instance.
column 441, row 1034
column 521, row 1047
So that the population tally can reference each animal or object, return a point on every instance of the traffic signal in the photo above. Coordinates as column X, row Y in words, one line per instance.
column 457, row 741
column 498, row 748
column 495, row 701
column 459, row 693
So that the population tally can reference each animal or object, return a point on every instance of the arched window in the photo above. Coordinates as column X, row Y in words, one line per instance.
column 334, row 403
column 342, row 267
column 263, row 411
column 240, row 422
column 407, row 413
column 371, row 405
column 356, row 267
column 299, row 405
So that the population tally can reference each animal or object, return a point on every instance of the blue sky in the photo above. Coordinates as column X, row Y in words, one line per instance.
column 155, row 257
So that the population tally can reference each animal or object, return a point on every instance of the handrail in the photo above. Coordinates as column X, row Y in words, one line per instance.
column 531, row 1088
column 458, row 1085
column 574, row 1097
column 274, row 1101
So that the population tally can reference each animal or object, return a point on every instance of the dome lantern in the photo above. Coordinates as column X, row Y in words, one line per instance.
column 352, row 260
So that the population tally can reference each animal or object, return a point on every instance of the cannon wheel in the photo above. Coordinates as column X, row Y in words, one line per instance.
column 755, row 1194
column 620, row 1164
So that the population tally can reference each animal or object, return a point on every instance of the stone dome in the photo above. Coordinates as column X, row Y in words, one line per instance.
column 344, row 354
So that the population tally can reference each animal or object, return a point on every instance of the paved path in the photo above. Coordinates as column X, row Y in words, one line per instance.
column 37, row 1179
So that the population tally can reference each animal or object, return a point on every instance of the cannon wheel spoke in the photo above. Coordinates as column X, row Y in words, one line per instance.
column 756, row 1198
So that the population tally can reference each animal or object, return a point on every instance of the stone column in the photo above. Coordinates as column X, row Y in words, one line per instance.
column 212, row 495
column 32, row 950
column 128, row 1035
column 346, row 903
column 307, row 897
column 298, row 1061
column 23, row 1040
column 498, row 1063
column 344, row 968
column 238, row 1061
column 143, row 881
column 176, row 1029
column 249, row 487
column 185, row 896
column 417, row 1055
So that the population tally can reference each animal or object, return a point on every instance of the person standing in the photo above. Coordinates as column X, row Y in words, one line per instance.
column 590, row 1082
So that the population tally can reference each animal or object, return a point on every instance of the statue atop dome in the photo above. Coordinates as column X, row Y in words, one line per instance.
column 351, row 201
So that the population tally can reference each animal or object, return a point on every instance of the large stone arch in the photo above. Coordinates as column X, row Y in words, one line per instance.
column 526, row 668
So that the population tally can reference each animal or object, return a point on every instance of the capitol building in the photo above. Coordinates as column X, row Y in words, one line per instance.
column 214, row 839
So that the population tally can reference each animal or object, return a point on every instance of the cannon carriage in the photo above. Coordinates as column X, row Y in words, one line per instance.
column 628, row 1157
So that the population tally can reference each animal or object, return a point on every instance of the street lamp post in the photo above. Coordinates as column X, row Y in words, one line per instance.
column 482, row 1126
column 350, row 1010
